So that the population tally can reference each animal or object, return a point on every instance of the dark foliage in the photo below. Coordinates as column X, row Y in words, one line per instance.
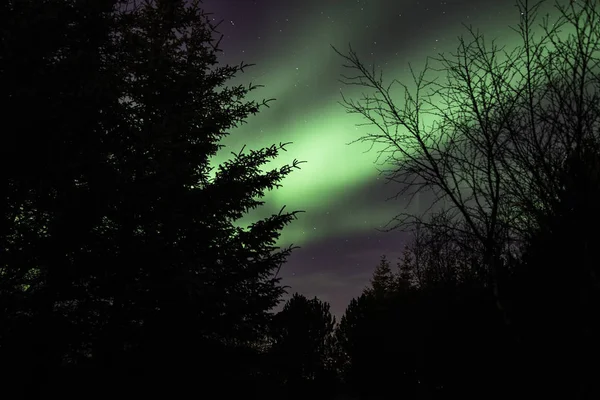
column 434, row 330
column 556, row 289
column 302, row 349
column 120, row 257
column 431, row 340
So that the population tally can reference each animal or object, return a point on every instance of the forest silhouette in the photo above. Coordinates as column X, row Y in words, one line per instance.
column 122, row 272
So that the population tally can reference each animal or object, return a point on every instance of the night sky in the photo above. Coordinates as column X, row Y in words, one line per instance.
column 338, row 186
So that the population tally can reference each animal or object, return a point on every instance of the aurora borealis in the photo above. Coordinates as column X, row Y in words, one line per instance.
column 338, row 186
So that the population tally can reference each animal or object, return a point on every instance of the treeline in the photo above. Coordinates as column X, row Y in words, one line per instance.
column 431, row 327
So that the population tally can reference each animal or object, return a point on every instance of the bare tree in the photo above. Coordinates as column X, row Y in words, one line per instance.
column 504, row 122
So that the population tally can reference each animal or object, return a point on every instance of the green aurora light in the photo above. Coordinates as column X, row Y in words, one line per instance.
column 300, row 70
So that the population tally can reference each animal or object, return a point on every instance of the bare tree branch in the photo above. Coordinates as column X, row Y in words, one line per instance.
column 503, row 125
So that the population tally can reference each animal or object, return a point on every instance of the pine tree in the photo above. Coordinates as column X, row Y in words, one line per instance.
column 383, row 280
column 405, row 278
column 351, row 335
column 120, row 249
column 302, row 338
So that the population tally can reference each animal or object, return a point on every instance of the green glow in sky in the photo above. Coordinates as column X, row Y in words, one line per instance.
column 300, row 70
